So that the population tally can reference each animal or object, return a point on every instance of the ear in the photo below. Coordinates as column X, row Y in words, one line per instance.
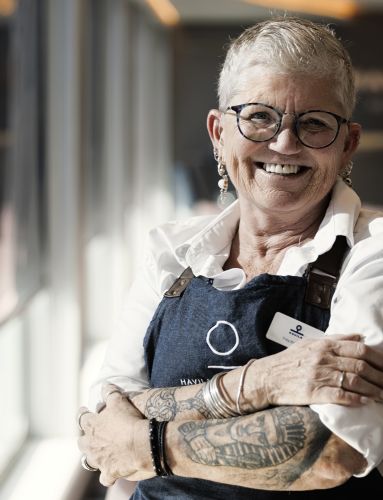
column 352, row 140
column 214, row 127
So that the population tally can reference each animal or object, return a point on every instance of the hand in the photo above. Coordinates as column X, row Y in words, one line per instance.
column 116, row 440
column 310, row 371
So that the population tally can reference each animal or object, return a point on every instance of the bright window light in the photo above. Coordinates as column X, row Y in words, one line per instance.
column 165, row 11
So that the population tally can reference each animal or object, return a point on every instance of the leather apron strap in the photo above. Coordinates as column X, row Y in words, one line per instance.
column 178, row 287
column 322, row 276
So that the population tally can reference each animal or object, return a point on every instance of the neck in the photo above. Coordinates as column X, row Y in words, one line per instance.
column 279, row 228
column 263, row 237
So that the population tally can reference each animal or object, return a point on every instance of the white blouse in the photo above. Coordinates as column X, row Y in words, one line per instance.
column 203, row 243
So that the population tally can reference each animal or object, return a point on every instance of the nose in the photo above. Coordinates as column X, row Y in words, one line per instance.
column 286, row 141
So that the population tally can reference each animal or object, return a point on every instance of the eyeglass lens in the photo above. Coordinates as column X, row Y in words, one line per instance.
column 315, row 129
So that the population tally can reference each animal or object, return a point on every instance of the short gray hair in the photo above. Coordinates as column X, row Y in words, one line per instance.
column 289, row 45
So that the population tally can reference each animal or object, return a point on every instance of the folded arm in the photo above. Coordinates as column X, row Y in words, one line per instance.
column 282, row 448
column 306, row 373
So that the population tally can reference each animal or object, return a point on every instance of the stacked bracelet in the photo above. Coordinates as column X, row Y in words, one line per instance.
column 157, row 448
column 215, row 400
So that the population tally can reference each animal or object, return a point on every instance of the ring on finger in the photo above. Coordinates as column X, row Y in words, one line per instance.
column 341, row 379
column 80, row 415
column 100, row 406
column 112, row 391
column 86, row 466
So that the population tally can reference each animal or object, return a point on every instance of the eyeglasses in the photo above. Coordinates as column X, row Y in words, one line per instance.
column 315, row 128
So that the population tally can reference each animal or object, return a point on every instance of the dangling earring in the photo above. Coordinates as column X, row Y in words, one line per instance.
column 223, row 183
column 346, row 173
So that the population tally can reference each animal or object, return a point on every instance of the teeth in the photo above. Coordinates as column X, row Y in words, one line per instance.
column 281, row 169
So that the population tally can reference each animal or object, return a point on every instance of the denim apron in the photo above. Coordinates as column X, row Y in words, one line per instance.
column 198, row 331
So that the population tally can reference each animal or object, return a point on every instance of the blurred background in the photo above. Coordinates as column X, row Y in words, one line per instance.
column 102, row 136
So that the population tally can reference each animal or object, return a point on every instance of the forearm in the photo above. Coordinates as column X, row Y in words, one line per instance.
column 284, row 448
column 281, row 448
column 187, row 402
column 279, row 379
column 171, row 403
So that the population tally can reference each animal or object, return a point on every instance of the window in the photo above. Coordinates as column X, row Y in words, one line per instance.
column 21, row 166
column 21, row 189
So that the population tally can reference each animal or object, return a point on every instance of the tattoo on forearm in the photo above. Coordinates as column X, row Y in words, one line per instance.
column 255, row 441
column 163, row 405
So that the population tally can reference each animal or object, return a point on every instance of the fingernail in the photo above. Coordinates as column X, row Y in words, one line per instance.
column 364, row 400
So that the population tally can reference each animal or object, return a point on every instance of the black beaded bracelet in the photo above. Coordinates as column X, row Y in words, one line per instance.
column 153, row 446
column 157, row 448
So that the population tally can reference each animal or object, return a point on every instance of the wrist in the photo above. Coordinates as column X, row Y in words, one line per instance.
column 253, row 393
column 254, row 389
column 141, row 443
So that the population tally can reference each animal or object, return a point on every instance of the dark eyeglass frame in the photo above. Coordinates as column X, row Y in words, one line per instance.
column 239, row 107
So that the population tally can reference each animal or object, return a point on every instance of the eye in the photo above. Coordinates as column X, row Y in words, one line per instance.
column 259, row 118
column 318, row 122
column 313, row 125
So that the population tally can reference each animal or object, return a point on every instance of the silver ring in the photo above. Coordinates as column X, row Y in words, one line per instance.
column 341, row 379
column 111, row 392
column 100, row 406
column 79, row 419
column 86, row 466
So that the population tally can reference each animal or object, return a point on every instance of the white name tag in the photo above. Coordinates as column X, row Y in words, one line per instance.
column 286, row 331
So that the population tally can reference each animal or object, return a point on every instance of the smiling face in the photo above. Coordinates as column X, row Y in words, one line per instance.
column 282, row 174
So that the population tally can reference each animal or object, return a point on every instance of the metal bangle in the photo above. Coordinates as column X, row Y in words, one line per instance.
column 209, row 401
column 219, row 398
column 240, row 386
column 215, row 400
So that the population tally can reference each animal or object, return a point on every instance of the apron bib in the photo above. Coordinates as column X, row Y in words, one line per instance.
column 198, row 331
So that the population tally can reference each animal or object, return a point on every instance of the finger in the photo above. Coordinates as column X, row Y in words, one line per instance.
column 117, row 398
column 373, row 356
column 87, row 420
column 347, row 379
column 359, row 350
column 364, row 370
column 350, row 336
column 107, row 480
column 86, row 447
column 356, row 384
column 82, row 444
column 109, row 390
column 83, row 410
column 344, row 397
column 100, row 406
column 89, row 465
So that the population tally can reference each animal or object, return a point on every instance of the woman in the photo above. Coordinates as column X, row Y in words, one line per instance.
column 244, row 285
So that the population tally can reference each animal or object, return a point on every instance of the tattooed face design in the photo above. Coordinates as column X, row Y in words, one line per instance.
column 251, row 442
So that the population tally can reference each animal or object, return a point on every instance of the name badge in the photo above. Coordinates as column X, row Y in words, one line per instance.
column 286, row 331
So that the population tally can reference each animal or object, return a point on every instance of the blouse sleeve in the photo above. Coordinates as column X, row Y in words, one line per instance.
column 124, row 363
column 358, row 308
